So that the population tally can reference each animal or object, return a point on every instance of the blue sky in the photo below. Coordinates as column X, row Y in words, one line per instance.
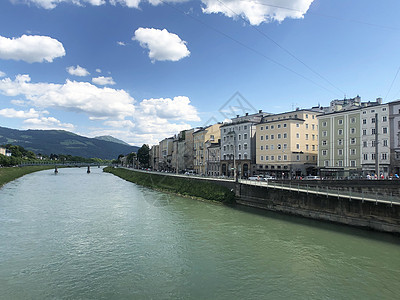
column 144, row 70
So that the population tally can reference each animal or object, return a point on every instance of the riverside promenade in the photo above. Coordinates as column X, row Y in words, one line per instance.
column 367, row 204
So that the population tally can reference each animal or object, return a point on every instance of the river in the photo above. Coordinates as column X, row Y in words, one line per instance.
column 95, row 236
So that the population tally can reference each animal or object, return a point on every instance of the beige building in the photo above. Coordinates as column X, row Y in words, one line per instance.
column 165, row 154
column 2, row 151
column 287, row 144
column 201, row 139
column 154, row 157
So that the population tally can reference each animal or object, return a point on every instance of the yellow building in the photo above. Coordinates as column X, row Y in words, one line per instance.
column 287, row 144
column 210, row 134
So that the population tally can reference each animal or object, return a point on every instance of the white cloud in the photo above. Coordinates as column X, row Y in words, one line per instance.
column 31, row 48
column 98, row 70
column 2, row 74
column 121, row 43
column 257, row 12
column 47, row 123
column 81, row 97
column 50, row 4
column 128, row 3
column 101, row 80
column 178, row 108
column 77, row 71
column 120, row 124
column 12, row 113
column 162, row 44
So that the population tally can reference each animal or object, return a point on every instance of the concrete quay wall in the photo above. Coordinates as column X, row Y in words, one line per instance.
column 371, row 215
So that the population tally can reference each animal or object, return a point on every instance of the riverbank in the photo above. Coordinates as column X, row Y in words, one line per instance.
column 11, row 173
column 181, row 186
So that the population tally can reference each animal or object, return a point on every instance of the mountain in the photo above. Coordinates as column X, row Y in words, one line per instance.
column 110, row 138
column 63, row 142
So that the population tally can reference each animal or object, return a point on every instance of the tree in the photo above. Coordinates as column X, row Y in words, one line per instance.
column 143, row 155
column 130, row 158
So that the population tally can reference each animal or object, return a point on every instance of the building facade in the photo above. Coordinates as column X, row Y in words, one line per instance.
column 165, row 154
column 213, row 158
column 287, row 144
column 394, row 129
column 201, row 139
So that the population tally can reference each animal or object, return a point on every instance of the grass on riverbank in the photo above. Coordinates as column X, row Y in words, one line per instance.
column 178, row 185
column 12, row 173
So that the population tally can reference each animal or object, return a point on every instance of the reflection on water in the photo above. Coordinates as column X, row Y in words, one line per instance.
column 77, row 235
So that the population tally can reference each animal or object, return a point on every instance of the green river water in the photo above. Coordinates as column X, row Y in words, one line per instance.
column 95, row 236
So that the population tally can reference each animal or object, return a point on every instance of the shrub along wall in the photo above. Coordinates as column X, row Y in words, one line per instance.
column 178, row 185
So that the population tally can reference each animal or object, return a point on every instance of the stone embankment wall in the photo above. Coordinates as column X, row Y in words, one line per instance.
column 372, row 215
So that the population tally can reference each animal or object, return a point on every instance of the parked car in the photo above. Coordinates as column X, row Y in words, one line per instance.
column 311, row 177
column 268, row 177
column 256, row 178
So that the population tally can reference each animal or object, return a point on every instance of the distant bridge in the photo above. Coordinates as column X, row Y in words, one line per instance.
column 62, row 164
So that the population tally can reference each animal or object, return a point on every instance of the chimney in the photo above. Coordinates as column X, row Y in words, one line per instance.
column 260, row 111
column 247, row 114
column 237, row 116
column 379, row 100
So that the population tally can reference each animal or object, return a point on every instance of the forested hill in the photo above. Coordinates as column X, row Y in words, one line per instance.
column 63, row 142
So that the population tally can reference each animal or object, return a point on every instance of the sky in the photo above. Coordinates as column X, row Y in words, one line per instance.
column 145, row 70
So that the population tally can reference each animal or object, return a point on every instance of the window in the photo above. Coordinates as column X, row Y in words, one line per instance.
column 261, row 147
column 324, row 133
column 353, row 151
column 313, row 116
column 285, row 135
column 266, row 127
column 224, row 156
column 324, row 124
column 373, row 131
column 266, row 147
column 384, row 130
column 272, row 126
column 297, row 146
column 313, row 137
column 297, row 135
column 306, row 126
column 245, row 136
column 385, row 143
column 306, row 136
column 373, row 144
column 340, row 121
column 384, row 156
column 279, row 157
column 373, row 156
column 297, row 125
column 372, row 120
column 340, row 142
column 240, row 147
column 306, row 116
column 279, row 125
column 261, row 137
column 240, row 156
column 224, row 148
column 266, row 157
column 245, row 127
column 261, row 157
column 313, row 126
column 365, row 144
column 245, row 156
column 352, row 141
column 313, row 147
column 324, row 152
column 272, row 157
column 279, row 146
column 307, row 157
column 266, row 137
column 245, row 146
column 352, row 130
column 284, row 146
column 364, row 131
column 340, row 152
column 365, row 156
column 279, row 135
column 262, row 128
column 352, row 120
column 224, row 130
column 297, row 157
column 352, row 163
column 284, row 125
column 340, row 132
column 285, row 157
column 340, row 163
column 272, row 147
column 272, row 136
column 324, row 143
column 326, row 163
column 384, row 119
column 364, row 121
column 307, row 147
column 240, row 137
